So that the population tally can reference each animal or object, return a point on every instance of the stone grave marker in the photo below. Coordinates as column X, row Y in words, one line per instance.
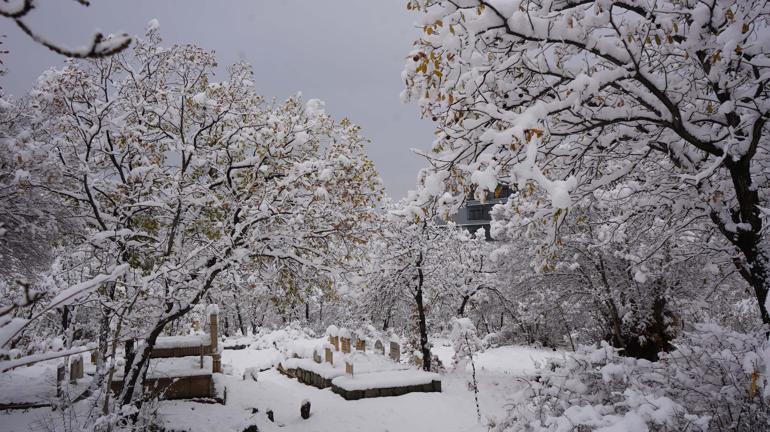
column 378, row 347
column 335, row 340
column 329, row 356
column 395, row 352
column 76, row 368
column 349, row 368
column 417, row 360
column 316, row 356
column 345, row 345
column 361, row 345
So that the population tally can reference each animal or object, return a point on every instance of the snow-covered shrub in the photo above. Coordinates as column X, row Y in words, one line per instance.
column 466, row 343
column 711, row 382
column 721, row 373
column 288, row 339
column 465, row 340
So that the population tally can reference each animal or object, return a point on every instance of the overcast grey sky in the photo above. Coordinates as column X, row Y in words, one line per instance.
column 348, row 53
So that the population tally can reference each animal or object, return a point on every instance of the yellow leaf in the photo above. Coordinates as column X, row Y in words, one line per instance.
column 429, row 30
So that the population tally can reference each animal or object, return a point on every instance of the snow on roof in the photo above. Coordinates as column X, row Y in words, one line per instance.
column 400, row 378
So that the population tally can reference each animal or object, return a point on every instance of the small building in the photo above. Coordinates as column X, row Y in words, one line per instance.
column 475, row 214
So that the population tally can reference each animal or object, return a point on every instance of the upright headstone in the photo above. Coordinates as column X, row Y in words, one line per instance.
column 335, row 340
column 361, row 345
column 345, row 345
column 329, row 357
column 76, row 368
column 395, row 352
column 417, row 360
column 214, row 331
column 378, row 347
column 316, row 356
column 349, row 368
column 216, row 358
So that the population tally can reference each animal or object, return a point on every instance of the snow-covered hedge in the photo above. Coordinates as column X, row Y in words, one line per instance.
column 715, row 380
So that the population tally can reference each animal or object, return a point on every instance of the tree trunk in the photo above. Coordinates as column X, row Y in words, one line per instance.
column 241, row 324
column 746, row 237
column 618, row 341
column 461, row 310
column 424, row 347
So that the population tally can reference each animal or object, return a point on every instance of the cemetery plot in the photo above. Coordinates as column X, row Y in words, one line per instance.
column 358, row 374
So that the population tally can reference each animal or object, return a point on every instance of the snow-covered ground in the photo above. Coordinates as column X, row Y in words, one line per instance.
column 247, row 401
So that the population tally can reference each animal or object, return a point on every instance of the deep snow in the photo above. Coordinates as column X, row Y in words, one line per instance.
column 451, row 410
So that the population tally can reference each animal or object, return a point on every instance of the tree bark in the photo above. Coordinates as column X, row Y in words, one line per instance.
column 424, row 347
column 241, row 324
column 747, row 237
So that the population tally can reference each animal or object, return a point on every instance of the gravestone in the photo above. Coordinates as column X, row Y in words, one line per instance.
column 316, row 356
column 345, row 345
column 349, row 368
column 395, row 352
column 361, row 345
column 417, row 360
column 216, row 358
column 335, row 340
column 378, row 347
column 329, row 356
column 76, row 368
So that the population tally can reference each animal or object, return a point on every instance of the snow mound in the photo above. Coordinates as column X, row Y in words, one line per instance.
column 386, row 379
